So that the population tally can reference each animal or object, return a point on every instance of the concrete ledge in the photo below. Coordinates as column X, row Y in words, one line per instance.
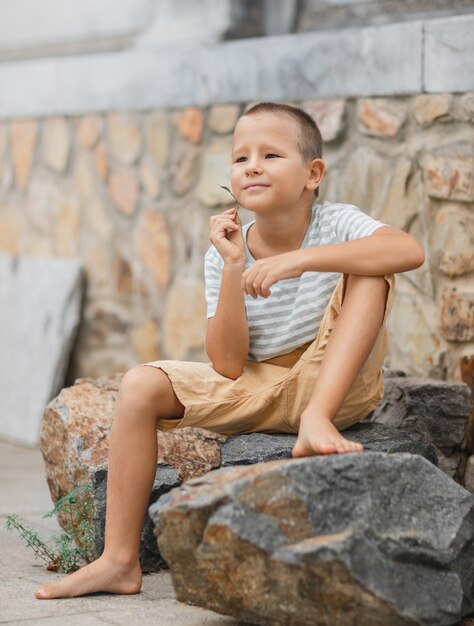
column 449, row 54
column 348, row 62
column 377, row 60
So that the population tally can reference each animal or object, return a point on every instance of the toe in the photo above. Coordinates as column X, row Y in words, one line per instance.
column 341, row 446
column 297, row 451
column 346, row 445
column 41, row 593
column 328, row 447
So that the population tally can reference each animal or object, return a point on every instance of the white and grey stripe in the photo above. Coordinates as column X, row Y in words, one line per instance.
column 291, row 315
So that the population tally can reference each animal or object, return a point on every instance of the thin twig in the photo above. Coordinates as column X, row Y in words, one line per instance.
column 282, row 289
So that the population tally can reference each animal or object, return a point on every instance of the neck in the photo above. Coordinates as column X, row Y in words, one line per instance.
column 276, row 234
column 286, row 232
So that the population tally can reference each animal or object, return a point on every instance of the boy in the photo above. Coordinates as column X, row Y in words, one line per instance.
column 294, row 346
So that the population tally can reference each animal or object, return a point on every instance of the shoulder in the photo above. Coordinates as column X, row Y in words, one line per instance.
column 348, row 221
column 326, row 214
column 337, row 208
column 342, row 215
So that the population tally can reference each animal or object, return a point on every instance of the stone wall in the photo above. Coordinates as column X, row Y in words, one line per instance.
column 131, row 195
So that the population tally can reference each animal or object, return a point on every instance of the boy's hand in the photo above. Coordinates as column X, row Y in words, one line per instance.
column 257, row 280
column 226, row 235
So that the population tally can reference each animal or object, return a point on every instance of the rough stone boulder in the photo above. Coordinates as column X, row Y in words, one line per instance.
column 260, row 447
column 368, row 539
column 75, row 440
column 435, row 410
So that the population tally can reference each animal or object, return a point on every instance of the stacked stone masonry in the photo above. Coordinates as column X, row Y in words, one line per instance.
column 131, row 194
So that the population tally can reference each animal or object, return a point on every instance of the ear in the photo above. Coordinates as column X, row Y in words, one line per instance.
column 316, row 169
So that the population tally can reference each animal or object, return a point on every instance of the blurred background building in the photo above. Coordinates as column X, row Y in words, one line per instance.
column 115, row 133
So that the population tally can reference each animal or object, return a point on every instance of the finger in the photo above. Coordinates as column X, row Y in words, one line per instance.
column 247, row 279
column 224, row 225
column 243, row 280
column 244, row 286
column 247, row 285
column 256, row 286
column 262, row 282
column 265, row 287
column 253, row 286
column 230, row 213
column 218, row 218
column 251, row 291
column 251, row 280
column 261, row 290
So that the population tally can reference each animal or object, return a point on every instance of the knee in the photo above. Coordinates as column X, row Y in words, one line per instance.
column 141, row 385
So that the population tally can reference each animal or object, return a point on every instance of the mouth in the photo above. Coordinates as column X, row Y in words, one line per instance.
column 254, row 185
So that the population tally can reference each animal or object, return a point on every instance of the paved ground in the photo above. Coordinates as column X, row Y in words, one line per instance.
column 23, row 490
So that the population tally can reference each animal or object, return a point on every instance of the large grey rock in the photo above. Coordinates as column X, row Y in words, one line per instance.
column 368, row 539
column 75, row 438
column 259, row 447
column 40, row 302
column 238, row 450
column 434, row 410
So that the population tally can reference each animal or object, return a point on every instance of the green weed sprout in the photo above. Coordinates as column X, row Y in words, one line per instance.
column 75, row 543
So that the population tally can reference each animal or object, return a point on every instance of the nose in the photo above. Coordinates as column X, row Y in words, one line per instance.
column 253, row 167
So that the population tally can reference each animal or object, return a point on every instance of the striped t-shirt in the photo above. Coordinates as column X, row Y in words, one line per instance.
column 291, row 315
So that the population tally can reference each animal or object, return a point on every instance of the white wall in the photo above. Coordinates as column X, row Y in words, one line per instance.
column 38, row 28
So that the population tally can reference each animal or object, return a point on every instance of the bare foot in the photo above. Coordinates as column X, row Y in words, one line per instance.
column 100, row 575
column 320, row 436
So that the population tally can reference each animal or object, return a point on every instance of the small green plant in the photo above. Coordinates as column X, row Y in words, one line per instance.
column 75, row 543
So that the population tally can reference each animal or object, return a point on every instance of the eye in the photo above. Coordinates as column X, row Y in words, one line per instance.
column 271, row 155
column 239, row 160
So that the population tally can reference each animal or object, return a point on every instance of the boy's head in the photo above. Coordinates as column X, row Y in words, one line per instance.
column 308, row 134
column 278, row 147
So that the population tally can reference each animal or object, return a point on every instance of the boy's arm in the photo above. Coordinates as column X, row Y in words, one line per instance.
column 387, row 251
column 227, row 338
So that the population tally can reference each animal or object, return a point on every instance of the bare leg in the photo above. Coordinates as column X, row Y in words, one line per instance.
column 349, row 345
column 145, row 395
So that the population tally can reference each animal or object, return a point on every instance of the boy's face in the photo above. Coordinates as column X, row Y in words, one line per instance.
column 268, row 172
